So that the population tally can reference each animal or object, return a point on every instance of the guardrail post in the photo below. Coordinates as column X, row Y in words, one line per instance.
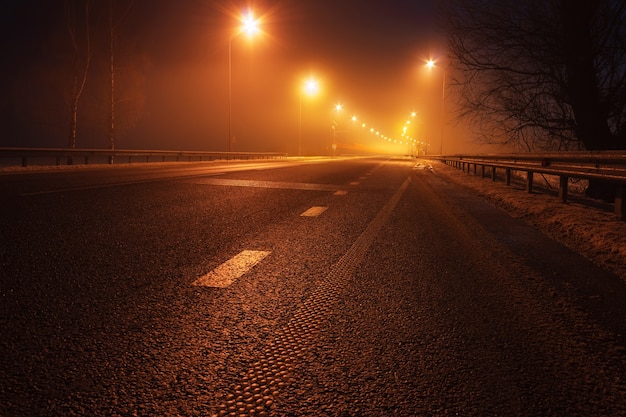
column 482, row 171
column 529, row 181
column 493, row 173
column 563, row 180
column 507, row 176
column 620, row 207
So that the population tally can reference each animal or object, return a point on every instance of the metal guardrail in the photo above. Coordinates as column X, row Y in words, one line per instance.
column 72, row 156
column 609, row 166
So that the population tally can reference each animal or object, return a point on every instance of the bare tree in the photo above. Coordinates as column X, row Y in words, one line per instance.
column 79, row 29
column 542, row 74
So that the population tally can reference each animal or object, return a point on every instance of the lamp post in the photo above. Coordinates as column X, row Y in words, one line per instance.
column 310, row 87
column 431, row 64
column 337, row 108
column 351, row 128
column 250, row 26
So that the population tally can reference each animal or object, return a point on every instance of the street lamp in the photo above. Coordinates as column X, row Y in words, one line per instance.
column 250, row 26
column 311, row 88
column 354, row 118
column 431, row 64
column 337, row 108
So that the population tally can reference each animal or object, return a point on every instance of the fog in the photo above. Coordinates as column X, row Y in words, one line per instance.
column 172, row 77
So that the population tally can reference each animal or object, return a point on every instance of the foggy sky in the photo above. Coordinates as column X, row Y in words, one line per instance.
column 173, row 74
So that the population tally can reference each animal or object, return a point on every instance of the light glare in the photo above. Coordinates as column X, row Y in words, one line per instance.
column 311, row 87
column 250, row 24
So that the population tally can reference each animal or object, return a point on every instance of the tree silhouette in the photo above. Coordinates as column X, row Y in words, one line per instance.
column 542, row 74
column 79, row 30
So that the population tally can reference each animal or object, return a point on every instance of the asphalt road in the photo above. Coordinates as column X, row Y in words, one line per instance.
column 348, row 287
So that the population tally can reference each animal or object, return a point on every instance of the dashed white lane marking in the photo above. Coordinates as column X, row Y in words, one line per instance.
column 354, row 183
column 314, row 211
column 263, row 184
column 231, row 270
column 340, row 192
column 272, row 374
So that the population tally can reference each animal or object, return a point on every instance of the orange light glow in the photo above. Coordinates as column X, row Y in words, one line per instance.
column 250, row 24
column 311, row 87
column 430, row 64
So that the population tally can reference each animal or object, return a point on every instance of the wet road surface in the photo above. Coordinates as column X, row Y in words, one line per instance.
column 352, row 287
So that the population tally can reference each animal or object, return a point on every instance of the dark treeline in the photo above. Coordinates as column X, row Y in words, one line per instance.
column 53, row 48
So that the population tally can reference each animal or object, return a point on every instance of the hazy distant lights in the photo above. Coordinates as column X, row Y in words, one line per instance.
column 339, row 107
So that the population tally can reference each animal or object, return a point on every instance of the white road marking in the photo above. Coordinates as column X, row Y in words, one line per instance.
column 263, row 184
column 340, row 192
column 354, row 183
column 314, row 211
column 225, row 274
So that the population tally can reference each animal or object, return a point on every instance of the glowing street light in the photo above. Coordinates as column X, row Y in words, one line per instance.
column 311, row 87
column 338, row 108
column 430, row 64
column 250, row 26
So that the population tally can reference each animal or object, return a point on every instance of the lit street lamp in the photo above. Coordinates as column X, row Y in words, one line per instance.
column 431, row 64
column 337, row 108
column 250, row 26
column 310, row 88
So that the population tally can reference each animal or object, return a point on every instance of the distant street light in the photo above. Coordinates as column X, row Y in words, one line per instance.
column 311, row 87
column 337, row 109
column 431, row 64
column 250, row 26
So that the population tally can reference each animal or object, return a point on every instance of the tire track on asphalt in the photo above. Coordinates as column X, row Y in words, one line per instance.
column 255, row 394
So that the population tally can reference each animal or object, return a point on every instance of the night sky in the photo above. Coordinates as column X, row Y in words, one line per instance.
column 172, row 75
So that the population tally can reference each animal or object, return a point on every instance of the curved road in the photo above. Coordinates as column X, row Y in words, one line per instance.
column 347, row 287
